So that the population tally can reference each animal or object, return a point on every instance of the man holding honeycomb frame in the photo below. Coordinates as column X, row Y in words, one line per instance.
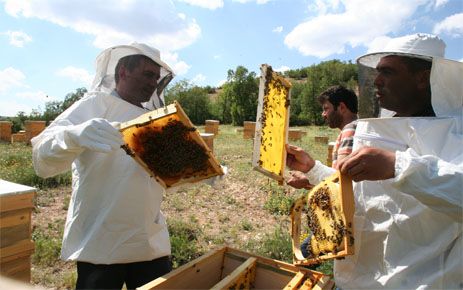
column 115, row 229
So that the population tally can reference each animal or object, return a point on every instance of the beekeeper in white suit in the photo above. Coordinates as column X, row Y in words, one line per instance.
column 409, row 172
column 115, row 229
column 408, row 224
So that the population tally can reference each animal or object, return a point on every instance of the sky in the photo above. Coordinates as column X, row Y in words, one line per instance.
column 48, row 47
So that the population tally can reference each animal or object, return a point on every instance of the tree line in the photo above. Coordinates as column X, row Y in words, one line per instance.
column 236, row 101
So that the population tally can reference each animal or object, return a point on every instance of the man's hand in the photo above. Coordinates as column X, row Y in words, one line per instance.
column 298, row 159
column 299, row 180
column 368, row 163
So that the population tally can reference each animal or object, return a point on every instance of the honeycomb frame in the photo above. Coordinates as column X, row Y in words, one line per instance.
column 341, row 188
column 272, row 122
column 156, row 119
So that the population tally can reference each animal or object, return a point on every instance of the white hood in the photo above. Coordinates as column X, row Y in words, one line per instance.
column 446, row 75
column 106, row 63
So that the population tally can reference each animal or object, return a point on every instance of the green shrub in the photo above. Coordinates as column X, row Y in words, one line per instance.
column 278, row 201
column 184, row 240
column 47, row 248
column 276, row 245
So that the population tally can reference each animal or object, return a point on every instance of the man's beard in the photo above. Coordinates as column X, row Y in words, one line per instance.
column 334, row 120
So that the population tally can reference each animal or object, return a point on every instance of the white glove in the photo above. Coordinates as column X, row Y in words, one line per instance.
column 213, row 181
column 96, row 135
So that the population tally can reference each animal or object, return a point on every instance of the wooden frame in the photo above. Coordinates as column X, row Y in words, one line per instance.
column 271, row 134
column 228, row 268
column 157, row 119
column 346, row 196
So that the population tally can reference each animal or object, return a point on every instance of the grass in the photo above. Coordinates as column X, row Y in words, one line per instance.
column 16, row 166
column 247, row 211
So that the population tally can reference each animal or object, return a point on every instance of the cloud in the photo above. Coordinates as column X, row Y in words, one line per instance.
column 440, row 3
column 11, row 78
column 221, row 83
column 247, row 1
column 76, row 74
column 18, row 38
column 9, row 106
column 115, row 22
column 179, row 67
column 38, row 96
column 378, row 44
column 278, row 29
column 452, row 25
column 217, row 56
column 208, row 4
column 282, row 68
column 349, row 23
column 198, row 79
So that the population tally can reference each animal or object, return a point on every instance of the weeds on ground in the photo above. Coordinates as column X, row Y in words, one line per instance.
column 279, row 200
column 276, row 245
column 183, row 239
column 16, row 166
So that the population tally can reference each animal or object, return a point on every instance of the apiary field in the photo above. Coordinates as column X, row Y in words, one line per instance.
column 246, row 210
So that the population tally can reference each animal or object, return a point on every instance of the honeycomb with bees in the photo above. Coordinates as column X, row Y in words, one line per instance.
column 329, row 209
column 269, row 154
column 166, row 144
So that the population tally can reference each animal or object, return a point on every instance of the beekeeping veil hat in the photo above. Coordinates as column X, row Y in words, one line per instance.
column 106, row 63
column 446, row 75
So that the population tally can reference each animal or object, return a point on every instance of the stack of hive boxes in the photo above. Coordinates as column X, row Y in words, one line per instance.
column 16, row 246
column 249, row 129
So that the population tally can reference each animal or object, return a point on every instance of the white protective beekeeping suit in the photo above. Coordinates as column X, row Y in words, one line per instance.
column 115, row 213
column 408, row 229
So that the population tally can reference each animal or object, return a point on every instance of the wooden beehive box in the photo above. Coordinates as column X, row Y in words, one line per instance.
column 269, row 154
column 167, row 145
column 339, row 188
column 16, row 246
column 228, row 268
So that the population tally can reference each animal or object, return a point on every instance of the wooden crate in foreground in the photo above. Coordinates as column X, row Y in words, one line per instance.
column 228, row 268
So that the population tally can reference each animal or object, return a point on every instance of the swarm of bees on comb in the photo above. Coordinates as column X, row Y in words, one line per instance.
column 329, row 209
column 155, row 146
column 269, row 154
column 325, row 221
column 168, row 147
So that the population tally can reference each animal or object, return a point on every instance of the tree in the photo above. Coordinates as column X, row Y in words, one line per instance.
column 305, row 108
column 54, row 108
column 239, row 96
column 193, row 99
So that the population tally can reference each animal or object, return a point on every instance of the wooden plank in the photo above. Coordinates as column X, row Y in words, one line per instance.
column 149, row 117
column 22, row 246
column 270, row 273
column 16, row 201
column 241, row 278
column 14, row 218
column 18, row 255
column 325, row 283
column 11, row 235
column 295, row 282
column 348, row 208
column 201, row 273
column 17, row 265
